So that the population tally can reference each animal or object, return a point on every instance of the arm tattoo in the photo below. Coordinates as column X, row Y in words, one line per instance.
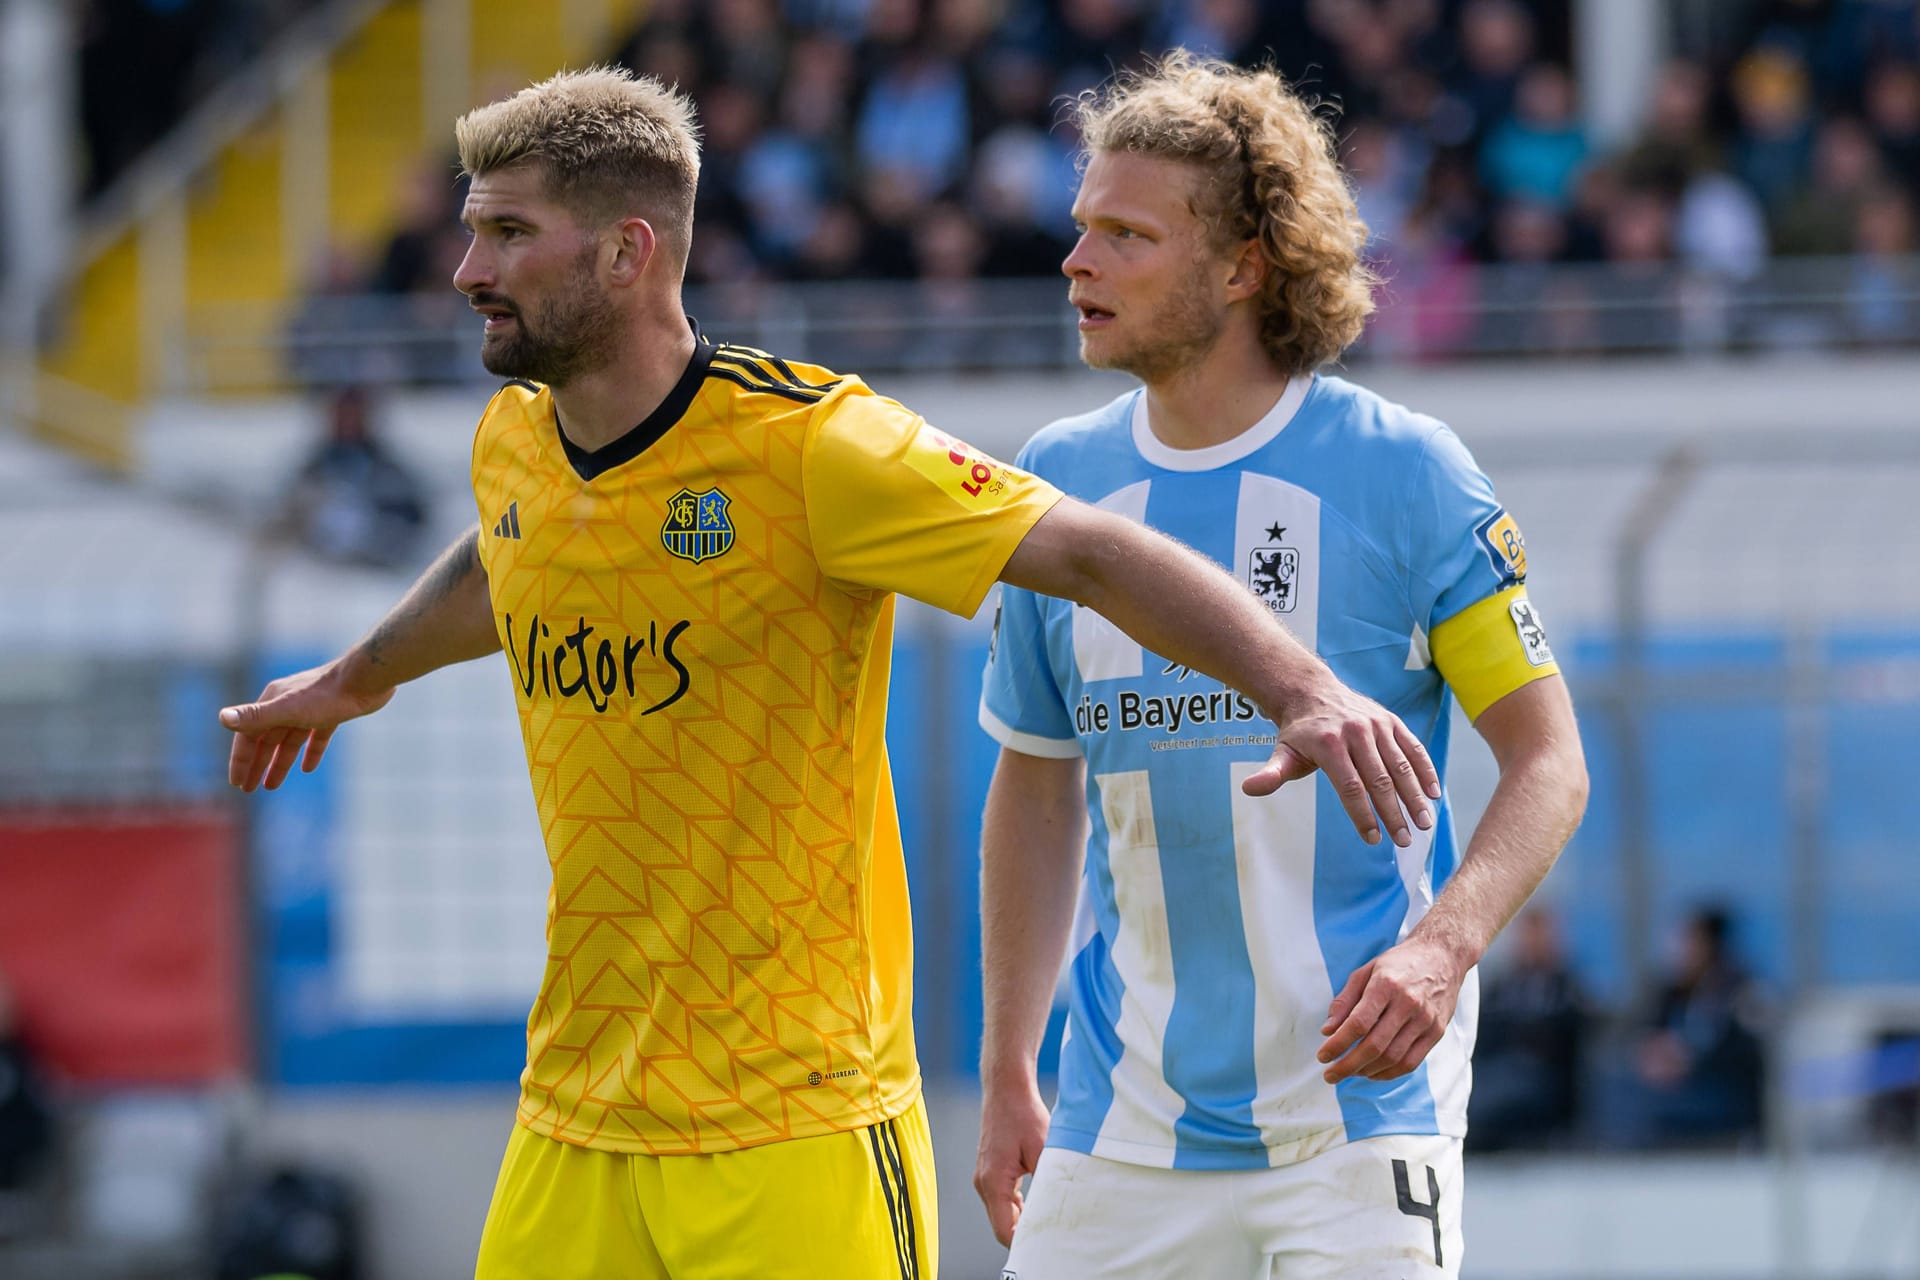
column 442, row 579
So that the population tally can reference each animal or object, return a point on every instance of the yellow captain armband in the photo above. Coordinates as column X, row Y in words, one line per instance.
column 1490, row 648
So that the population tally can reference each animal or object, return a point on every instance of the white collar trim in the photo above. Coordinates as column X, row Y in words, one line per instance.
column 1161, row 454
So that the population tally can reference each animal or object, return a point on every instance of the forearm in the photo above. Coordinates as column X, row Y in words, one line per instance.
column 1533, row 812
column 445, row 617
column 1032, row 842
column 1176, row 603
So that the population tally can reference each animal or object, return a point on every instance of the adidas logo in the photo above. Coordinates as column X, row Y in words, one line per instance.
column 509, row 526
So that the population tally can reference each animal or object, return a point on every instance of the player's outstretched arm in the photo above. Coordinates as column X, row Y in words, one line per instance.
column 444, row 618
column 1183, row 607
column 1032, row 841
column 1395, row 1008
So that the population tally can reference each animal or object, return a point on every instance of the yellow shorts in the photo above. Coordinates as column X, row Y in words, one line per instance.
column 857, row 1205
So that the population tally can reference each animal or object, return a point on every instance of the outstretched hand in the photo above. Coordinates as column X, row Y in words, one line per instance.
column 1377, row 767
column 294, row 712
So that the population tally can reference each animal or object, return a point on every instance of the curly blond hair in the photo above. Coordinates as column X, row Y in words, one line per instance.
column 611, row 145
column 1267, row 172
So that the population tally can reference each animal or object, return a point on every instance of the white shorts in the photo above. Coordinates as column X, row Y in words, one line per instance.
column 1379, row 1209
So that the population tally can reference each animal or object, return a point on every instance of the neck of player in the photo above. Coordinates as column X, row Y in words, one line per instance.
column 1214, row 398
column 599, row 407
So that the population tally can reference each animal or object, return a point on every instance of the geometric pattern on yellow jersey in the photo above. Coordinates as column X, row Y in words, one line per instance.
column 729, row 943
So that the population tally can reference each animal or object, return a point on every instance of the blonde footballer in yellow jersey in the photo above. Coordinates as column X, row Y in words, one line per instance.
column 688, row 554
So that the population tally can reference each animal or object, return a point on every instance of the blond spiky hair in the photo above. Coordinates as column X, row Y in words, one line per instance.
column 1267, row 173
column 612, row 144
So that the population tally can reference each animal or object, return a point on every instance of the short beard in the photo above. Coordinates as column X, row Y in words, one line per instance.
column 572, row 334
column 1185, row 329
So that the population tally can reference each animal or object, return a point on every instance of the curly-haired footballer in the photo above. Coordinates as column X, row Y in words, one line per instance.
column 1265, row 1066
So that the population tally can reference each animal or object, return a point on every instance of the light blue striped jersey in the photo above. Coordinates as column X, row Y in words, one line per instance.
column 1214, row 928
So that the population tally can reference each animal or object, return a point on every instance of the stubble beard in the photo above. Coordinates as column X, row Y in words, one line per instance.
column 1184, row 329
column 569, row 335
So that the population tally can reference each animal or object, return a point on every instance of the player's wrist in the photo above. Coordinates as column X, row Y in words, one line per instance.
column 359, row 676
column 1462, row 947
column 1010, row 1073
column 1302, row 685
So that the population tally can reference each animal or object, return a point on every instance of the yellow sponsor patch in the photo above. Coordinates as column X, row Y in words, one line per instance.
column 1500, row 538
column 968, row 476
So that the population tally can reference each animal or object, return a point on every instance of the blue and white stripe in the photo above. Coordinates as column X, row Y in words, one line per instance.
column 1214, row 927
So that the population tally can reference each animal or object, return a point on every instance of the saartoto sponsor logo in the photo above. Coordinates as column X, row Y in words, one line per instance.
column 599, row 665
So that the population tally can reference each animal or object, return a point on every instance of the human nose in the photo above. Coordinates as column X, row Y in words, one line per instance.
column 474, row 270
column 1079, row 261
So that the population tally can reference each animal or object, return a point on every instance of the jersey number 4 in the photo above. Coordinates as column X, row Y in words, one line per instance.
column 1403, row 1189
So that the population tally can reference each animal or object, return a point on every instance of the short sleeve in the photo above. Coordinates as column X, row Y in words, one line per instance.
column 894, row 505
column 1021, row 705
column 1469, row 563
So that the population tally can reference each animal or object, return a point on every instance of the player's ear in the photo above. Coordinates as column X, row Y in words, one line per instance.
column 632, row 248
column 1249, row 271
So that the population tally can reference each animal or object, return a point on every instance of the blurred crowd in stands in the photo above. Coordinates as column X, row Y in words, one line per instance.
column 851, row 140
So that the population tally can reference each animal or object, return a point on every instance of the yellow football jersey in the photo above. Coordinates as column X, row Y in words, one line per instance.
column 698, row 619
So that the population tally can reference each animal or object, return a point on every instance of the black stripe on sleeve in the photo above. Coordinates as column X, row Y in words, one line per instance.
column 752, row 357
column 770, row 388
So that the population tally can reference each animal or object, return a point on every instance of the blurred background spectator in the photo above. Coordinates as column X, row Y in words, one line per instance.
column 26, row 1119
column 1527, row 1059
column 1695, row 1071
column 352, row 500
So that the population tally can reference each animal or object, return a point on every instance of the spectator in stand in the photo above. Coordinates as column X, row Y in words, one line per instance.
column 1822, row 218
column 352, row 500
column 915, row 123
column 835, row 247
column 1385, row 179
column 1880, row 302
column 26, row 1118
column 1696, row 1070
column 1227, row 29
column 790, row 172
column 1893, row 114
column 415, row 259
column 1014, row 173
column 1719, row 229
column 1831, row 38
column 1093, row 38
column 1430, row 289
column 1775, row 139
column 949, row 251
column 1526, row 1062
column 1537, row 152
column 1496, row 47
column 1638, row 293
column 746, row 43
column 338, row 334
column 1677, row 142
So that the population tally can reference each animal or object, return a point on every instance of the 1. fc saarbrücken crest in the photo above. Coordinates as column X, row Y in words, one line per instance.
column 698, row 527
